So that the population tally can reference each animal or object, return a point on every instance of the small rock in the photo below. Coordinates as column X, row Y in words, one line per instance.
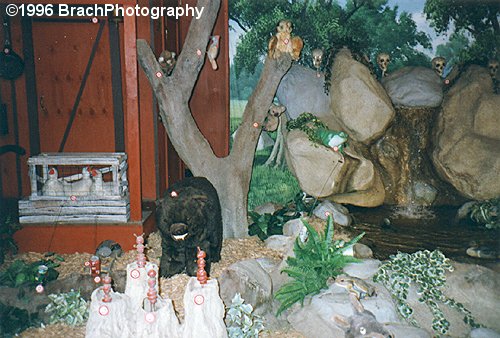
column 364, row 270
column 362, row 251
column 424, row 193
column 484, row 333
column 293, row 227
column 339, row 213
column 280, row 243
column 464, row 210
column 267, row 208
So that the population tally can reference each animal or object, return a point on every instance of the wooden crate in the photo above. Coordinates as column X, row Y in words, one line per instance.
column 77, row 188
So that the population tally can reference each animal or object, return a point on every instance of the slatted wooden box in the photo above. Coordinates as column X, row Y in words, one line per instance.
column 77, row 188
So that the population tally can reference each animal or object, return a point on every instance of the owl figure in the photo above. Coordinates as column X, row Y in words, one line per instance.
column 282, row 42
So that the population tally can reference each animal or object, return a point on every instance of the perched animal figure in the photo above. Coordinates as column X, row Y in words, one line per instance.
column 189, row 216
column 362, row 324
column 213, row 51
column 317, row 57
column 493, row 68
column 52, row 186
column 81, row 187
column 108, row 248
column 355, row 286
column 272, row 120
column 383, row 60
column 167, row 61
column 283, row 42
column 438, row 64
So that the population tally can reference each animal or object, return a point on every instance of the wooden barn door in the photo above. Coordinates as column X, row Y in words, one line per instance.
column 74, row 89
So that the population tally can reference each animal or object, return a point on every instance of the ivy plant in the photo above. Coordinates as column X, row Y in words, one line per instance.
column 309, row 124
column 426, row 270
column 319, row 258
column 68, row 308
column 241, row 322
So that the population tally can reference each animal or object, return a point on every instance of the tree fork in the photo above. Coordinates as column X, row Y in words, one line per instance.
column 230, row 175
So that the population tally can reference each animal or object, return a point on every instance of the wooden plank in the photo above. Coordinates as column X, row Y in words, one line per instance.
column 75, row 219
column 70, row 210
column 132, row 134
column 24, row 204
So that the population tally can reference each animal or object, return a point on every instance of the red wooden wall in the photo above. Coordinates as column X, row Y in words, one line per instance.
column 61, row 51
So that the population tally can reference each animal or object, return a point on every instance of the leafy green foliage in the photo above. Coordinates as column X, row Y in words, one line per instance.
column 487, row 213
column 272, row 224
column 427, row 271
column 68, row 308
column 370, row 24
column 14, row 320
column 315, row 261
column 309, row 124
column 478, row 19
column 241, row 322
column 269, row 224
column 20, row 273
column 7, row 229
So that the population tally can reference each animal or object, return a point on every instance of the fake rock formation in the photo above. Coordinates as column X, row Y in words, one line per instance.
column 467, row 141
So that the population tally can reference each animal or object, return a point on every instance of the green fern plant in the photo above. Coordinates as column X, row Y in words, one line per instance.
column 315, row 261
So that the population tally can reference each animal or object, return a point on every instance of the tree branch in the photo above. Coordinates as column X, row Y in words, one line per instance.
column 174, row 110
column 256, row 109
column 232, row 17
column 189, row 63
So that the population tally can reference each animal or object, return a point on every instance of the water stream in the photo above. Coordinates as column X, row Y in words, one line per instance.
column 388, row 231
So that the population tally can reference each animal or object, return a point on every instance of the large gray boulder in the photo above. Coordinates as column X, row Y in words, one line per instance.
column 359, row 102
column 467, row 137
column 301, row 90
column 251, row 281
column 321, row 172
column 414, row 87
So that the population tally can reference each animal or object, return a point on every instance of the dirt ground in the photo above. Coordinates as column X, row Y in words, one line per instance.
column 233, row 250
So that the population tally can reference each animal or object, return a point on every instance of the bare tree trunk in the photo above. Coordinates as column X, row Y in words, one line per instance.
column 230, row 175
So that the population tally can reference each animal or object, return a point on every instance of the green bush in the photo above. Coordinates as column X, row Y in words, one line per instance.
column 487, row 213
column 427, row 271
column 20, row 273
column 315, row 261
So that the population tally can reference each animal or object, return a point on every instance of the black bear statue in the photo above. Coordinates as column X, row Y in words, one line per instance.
column 189, row 216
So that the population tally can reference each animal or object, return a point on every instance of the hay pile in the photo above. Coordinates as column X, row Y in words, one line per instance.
column 233, row 250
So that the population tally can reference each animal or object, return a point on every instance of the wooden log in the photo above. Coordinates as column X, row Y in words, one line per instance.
column 57, row 211
column 75, row 219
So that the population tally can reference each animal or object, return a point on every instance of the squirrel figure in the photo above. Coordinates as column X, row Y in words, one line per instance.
column 282, row 42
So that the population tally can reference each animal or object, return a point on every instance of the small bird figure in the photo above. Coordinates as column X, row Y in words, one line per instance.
column 52, row 186
column 81, row 187
column 213, row 51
